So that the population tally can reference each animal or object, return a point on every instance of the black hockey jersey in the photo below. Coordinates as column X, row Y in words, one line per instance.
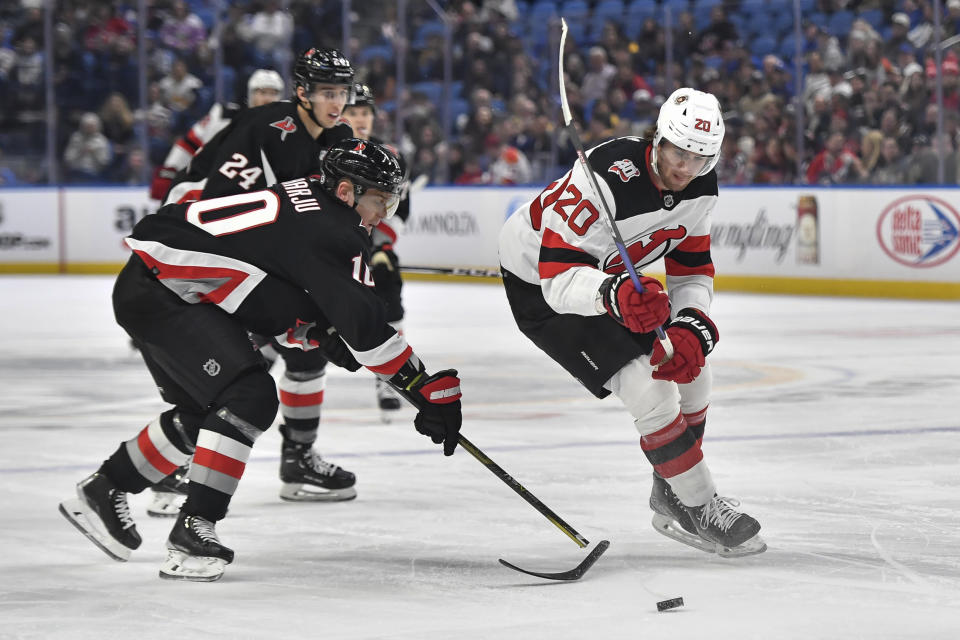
column 255, row 254
column 260, row 147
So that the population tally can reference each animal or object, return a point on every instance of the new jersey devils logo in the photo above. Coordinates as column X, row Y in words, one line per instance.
column 625, row 169
column 647, row 249
column 286, row 126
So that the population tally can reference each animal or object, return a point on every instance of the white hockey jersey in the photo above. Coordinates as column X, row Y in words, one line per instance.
column 562, row 241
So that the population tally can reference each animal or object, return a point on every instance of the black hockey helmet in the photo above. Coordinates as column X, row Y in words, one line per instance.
column 322, row 66
column 368, row 165
column 363, row 97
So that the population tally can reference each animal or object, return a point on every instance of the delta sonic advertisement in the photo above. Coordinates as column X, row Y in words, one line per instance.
column 853, row 234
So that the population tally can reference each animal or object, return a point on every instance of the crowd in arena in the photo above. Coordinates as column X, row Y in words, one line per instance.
column 866, row 83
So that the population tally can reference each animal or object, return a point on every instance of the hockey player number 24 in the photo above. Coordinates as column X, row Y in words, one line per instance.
column 235, row 166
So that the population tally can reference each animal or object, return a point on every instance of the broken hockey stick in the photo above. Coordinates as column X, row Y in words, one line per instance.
column 581, row 154
column 573, row 574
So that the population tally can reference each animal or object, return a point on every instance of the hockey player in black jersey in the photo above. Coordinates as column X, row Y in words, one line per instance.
column 292, row 260
column 263, row 87
column 361, row 115
column 570, row 294
column 275, row 142
column 260, row 147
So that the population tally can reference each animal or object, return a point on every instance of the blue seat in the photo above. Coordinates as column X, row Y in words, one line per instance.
column 763, row 45
column 574, row 10
column 425, row 31
column 839, row 24
column 637, row 12
column 612, row 10
column 874, row 17
column 432, row 89
column 376, row 51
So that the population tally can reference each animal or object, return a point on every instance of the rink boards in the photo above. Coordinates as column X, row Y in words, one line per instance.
column 876, row 242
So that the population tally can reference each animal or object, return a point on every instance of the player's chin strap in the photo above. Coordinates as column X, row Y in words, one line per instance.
column 308, row 109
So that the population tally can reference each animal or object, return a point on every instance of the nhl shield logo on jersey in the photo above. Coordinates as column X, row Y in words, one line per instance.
column 212, row 367
column 286, row 126
column 625, row 169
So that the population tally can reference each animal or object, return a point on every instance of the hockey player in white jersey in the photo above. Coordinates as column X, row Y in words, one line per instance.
column 263, row 87
column 571, row 295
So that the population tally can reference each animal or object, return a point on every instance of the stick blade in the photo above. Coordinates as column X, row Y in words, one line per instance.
column 573, row 574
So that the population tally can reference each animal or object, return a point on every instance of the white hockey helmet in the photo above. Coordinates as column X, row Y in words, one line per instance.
column 264, row 79
column 692, row 121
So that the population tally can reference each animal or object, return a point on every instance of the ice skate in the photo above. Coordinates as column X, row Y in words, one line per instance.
column 670, row 517
column 733, row 534
column 194, row 551
column 100, row 511
column 307, row 477
column 387, row 400
column 169, row 494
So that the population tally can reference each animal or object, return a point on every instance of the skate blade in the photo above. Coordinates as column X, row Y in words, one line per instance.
column 90, row 525
column 166, row 505
column 182, row 566
column 295, row 492
column 668, row 527
column 751, row 547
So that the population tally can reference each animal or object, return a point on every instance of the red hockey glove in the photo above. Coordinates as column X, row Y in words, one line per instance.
column 693, row 335
column 437, row 398
column 162, row 178
column 639, row 312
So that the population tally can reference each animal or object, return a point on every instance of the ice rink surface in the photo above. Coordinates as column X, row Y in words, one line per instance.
column 833, row 420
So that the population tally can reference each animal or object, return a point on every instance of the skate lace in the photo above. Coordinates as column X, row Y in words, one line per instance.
column 721, row 512
column 122, row 509
column 204, row 529
column 318, row 464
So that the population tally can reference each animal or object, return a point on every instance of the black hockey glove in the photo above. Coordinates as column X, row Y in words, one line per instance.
column 384, row 257
column 437, row 398
column 333, row 348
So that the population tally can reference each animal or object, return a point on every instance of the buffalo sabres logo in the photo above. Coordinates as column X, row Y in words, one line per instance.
column 212, row 367
column 286, row 125
column 625, row 169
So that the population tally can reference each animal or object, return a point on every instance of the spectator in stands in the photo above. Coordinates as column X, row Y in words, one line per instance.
column 719, row 32
column 7, row 177
column 835, row 164
column 159, row 120
column 599, row 75
column 899, row 26
column 891, row 167
column 772, row 165
column 117, row 122
column 182, row 31
column 925, row 161
column 88, row 152
column 131, row 172
column 270, row 31
column 510, row 167
column 179, row 88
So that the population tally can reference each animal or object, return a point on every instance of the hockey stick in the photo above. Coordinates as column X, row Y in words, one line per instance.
column 453, row 271
column 581, row 154
column 497, row 470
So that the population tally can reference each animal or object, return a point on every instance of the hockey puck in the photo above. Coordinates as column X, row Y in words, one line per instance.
column 672, row 603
